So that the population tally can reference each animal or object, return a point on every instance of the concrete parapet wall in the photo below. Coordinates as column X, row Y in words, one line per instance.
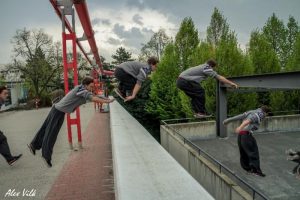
column 206, row 130
column 219, row 185
column 142, row 168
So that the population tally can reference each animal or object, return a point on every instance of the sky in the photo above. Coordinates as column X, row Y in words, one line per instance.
column 131, row 23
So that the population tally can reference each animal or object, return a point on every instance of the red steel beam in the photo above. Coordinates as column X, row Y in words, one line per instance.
column 82, row 12
column 67, row 24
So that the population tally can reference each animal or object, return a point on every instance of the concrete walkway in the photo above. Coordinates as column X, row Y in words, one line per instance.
column 30, row 173
column 142, row 168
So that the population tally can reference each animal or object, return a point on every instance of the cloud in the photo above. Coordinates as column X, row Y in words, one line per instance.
column 120, row 31
column 98, row 21
column 137, row 19
column 114, row 41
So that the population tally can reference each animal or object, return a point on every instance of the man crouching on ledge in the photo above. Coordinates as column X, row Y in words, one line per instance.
column 249, row 155
column 46, row 136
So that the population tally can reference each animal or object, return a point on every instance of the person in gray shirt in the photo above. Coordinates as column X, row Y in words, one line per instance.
column 45, row 138
column 189, row 82
column 131, row 74
column 249, row 154
column 4, row 147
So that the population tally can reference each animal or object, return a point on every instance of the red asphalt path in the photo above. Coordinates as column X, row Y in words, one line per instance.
column 87, row 174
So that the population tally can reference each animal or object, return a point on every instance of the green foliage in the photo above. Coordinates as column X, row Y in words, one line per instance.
column 276, row 34
column 121, row 56
column 263, row 56
column 294, row 61
column 164, row 100
column 137, row 108
column 186, row 41
column 218, row 28
column 37, row 58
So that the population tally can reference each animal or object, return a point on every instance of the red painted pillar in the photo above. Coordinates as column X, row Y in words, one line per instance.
column 71, row 66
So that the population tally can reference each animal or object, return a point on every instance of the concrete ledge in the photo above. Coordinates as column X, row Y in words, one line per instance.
column 205, row 172
column 142, row 168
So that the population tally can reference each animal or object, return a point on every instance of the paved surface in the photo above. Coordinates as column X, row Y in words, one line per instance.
column 87, row 174
column 30, row 173
column 143, row 170
column 279, row 182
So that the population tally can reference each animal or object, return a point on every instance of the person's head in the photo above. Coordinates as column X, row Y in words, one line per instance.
column 266, row 109
column 88, row 82
column 3, row 93
column 153, row 61
column 211, row 63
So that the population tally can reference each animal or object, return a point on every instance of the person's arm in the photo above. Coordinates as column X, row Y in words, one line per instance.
column 243, row 125
column 136, row 89
column 226, row 81
column 101, row 100
column 235, row 118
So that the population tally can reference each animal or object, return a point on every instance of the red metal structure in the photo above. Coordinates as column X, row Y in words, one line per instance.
column 64, row 8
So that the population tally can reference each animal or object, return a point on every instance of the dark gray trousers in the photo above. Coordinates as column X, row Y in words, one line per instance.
column 4, row 148
column 195, row 92
column 249, row 154
column 126, row 81
column 47, row 135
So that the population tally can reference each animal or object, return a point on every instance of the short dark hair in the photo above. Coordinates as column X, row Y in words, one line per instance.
column 152, row 60
column 2, row 88
column 212, row 62
column 265, row 108
column 87, row 80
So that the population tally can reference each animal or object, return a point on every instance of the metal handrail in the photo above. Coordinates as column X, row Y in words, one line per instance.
column 220, row 165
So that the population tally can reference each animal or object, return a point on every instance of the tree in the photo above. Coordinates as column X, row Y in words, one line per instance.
column 155, row 46
column 164, row 101
column 233, row 62
column 294, row 61
column 121, row 56
column 35, row 57
column 276, row 35
column 292, row 33
column 263, row 56
column 292, row 97
column 186, row 41
column 137, row 109
column 218, row 28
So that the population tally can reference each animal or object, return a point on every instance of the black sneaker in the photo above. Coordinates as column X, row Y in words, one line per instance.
column 47, row 162
column 258, row 173
column 32, row 150
column 15, row 158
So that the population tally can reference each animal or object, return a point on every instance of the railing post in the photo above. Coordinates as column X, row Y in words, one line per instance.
column 221, row 110
column 70, row 66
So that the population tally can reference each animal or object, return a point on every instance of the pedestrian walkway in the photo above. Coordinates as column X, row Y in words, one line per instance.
column 88, row 174
column 31, row 174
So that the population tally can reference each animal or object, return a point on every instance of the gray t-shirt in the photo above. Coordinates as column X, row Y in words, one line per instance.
column 138, row 70
column 255, row 117
column 198, row 73
column 76, row 97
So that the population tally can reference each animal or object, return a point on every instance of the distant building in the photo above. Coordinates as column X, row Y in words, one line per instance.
column 13, row 81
